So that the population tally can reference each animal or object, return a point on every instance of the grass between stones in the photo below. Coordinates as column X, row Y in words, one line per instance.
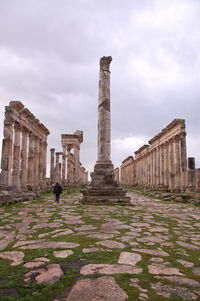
column 13, row 287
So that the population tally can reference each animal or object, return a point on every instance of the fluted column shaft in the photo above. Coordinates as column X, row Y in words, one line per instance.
column 104, row 126
column 36, row 163
column 76, row 162
column 52, row 167
column 24, row 158
column 44, row 160
column 16, row 156
column 177, row 163
column 6, row 156
column 64, row 165
column 31, row 160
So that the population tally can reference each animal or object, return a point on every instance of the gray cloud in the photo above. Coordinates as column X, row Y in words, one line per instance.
column 49, row 56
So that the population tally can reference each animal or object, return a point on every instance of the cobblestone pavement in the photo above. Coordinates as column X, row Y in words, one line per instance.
column 147, row 251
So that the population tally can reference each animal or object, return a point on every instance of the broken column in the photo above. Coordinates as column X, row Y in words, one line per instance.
column 103, row 187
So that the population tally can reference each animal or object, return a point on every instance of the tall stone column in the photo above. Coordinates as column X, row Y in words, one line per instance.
column 166, row 160
column 6, row 157
column 57, row 168
column 36, row 163
column 162, row 165
column 44, row 162
column 31, row 160
column 103, row 187
column 104, row 126
column 77, row 164
column 64, row 165
column 183, row 152
column 24, row 159
column 52, row 167
column 171, row 164
column 68, row 165
column 41, row 155
column 184, row 173
column 177, row 163
column 16, row 156
column 158, row 152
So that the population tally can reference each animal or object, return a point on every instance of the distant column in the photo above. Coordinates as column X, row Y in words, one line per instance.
column 171, row 164
column 36, row 163
column 183, row 152
column 16, row 156
column 31, row 160
column 41, row 162
column 177, row 163
column 57, row 167
column 76, row 162
column 63, row 165
column 52, row 162
column 68, row 165
column 24, row 158
column 6, row 157
column 44, row 162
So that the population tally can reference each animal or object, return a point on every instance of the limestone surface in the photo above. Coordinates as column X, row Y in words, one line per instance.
column 102, row 288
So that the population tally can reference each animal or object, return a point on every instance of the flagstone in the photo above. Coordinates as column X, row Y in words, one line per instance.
column 62, row 254
column 187, row 264
column 129, row 258
column 47, row 225
column 91, row 250
column 161, row 269
column 50, row 244
column 111, row 244
column 187, row 245
column 50, row 274
column 26, row 242
column 85, row 228
column 180, row 280
column 66, row 232
column 102, row 288
column 109, row 269
column 158, row 229
column 151, row 252
column 168, row 291
column 33, row 264
column 14, row 256
column 5, row 242
column 100, row 235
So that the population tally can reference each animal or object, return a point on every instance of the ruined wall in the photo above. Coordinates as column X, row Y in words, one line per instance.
column 24, row 149
column 163, row 162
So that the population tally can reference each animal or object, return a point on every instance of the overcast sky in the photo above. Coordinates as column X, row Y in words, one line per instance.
column 49, row 60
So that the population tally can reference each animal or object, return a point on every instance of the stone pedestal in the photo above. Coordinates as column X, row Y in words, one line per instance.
column 103, row 188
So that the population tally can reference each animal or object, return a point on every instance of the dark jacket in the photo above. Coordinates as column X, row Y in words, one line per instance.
column 57, row 189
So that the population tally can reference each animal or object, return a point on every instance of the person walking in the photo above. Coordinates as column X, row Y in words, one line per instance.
column 57, row 190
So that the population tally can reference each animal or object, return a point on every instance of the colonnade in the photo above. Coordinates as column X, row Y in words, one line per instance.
column 162, row 165
column 24, row 149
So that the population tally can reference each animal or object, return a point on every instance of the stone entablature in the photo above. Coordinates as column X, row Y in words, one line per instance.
column 163, row 162
column 24, row 149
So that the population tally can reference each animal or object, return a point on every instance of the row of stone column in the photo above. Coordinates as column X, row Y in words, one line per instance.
column 23, row 161
column 68, row 171
column 164, row 165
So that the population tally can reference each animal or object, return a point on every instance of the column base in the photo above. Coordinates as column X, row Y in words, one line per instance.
column 104, row 189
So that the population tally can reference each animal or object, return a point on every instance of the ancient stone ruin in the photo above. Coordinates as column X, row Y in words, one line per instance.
column 24, row 149
column 163, row 162
column 70, row 171
column 103, row 187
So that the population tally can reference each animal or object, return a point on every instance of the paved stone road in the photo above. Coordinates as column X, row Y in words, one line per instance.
column 147, row 251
